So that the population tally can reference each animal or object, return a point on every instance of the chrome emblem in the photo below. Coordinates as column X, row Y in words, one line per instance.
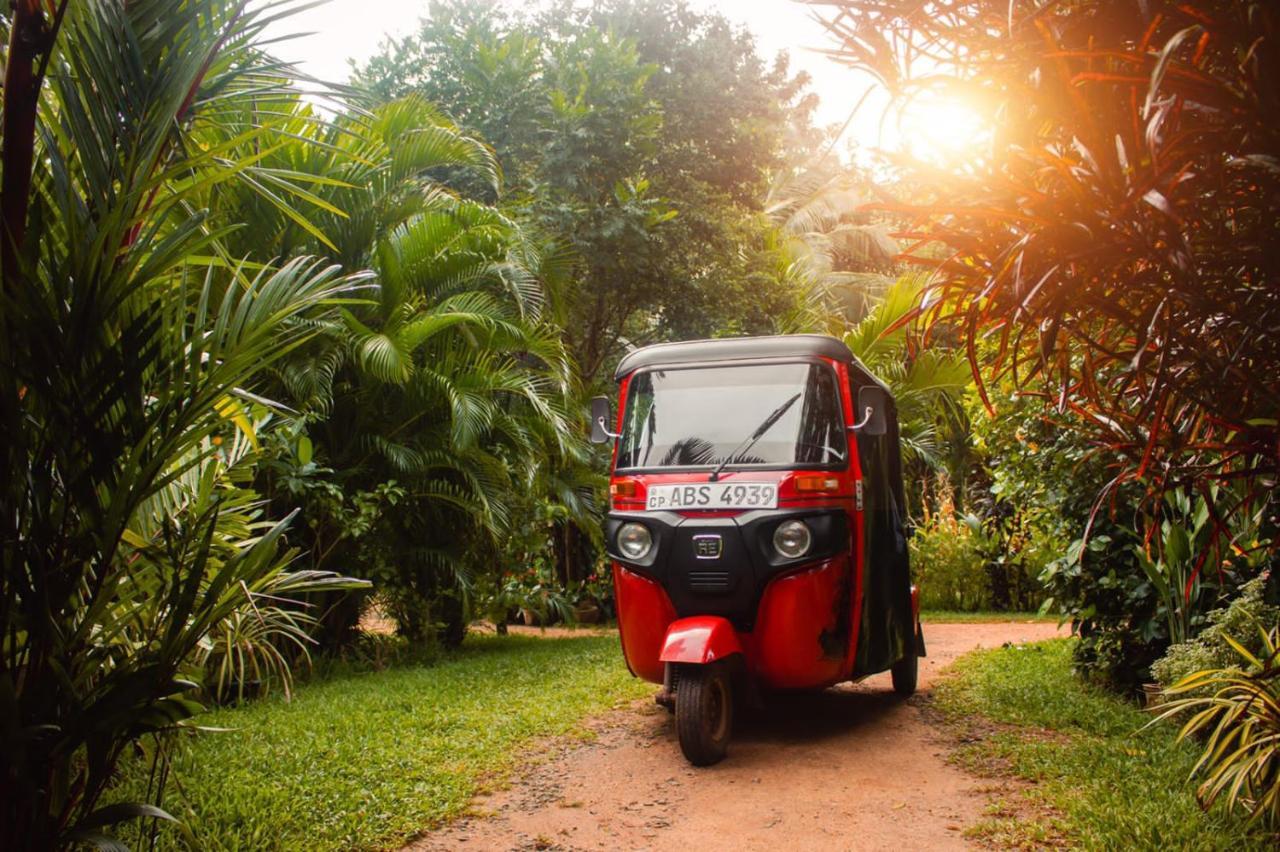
column 707, row 546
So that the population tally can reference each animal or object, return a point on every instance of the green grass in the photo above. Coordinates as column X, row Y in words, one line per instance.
column 1099, row 781
column 940, row 616
column 366, row 760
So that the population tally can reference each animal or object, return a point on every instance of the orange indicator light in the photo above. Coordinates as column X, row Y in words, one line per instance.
column 811, row 484
column 624, row 489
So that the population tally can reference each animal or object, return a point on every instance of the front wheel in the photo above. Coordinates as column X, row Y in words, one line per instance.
column 906, row 671
column 704, row 713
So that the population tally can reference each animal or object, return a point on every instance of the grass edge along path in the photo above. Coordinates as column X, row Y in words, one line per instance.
column 368, row 760
column 1085, row 774
column 943, row 616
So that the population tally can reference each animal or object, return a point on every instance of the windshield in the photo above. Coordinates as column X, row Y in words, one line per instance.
column 707, row 416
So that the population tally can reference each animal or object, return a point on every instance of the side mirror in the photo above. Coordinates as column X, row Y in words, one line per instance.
column 601, row 416
column 873, row 410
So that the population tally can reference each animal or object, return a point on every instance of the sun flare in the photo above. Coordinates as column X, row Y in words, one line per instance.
column 941, row 130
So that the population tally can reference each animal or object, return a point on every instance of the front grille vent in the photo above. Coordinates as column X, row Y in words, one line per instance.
column 709, row 581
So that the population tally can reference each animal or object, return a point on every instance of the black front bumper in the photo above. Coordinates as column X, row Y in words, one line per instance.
column 730, row 584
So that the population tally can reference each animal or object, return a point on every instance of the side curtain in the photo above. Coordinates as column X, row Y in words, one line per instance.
column 887, row 631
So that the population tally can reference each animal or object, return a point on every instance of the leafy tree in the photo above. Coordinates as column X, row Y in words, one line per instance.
column 643, row 132
column 132, row 360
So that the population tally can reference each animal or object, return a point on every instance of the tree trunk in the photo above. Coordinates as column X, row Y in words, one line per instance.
column 30, row 40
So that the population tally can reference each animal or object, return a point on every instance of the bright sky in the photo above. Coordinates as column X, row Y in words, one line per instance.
column 353, row 29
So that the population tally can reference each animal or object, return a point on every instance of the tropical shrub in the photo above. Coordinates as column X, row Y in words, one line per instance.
column 1244, row 621
column 1041, row 513
column 1016, row 551
column 526, row 578
column 964, row 562
column 1185, row 540
column 534, row 592
column 260, row 642
column 1096, row 585
column 1237, row 710
column 1021, row 475
column 947, row 563
column 132, row 351
column 1131, row 599
column 597, row 587
column 339, row 525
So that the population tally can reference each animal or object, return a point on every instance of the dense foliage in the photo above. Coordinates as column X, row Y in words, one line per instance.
column 1111, row 253
column 1036, row 494
column 132, row 357
column 446, row 392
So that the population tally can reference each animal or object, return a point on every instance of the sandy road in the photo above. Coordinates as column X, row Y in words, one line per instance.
column 850, row 768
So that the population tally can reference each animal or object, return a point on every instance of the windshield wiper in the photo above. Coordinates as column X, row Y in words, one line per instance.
column 755, row 436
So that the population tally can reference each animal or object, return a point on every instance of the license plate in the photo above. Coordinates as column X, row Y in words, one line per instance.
column 713, row 495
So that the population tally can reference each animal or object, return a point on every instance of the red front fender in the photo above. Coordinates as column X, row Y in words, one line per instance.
column 701, row 639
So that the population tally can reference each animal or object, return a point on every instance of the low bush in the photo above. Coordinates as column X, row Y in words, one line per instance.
column 1236, row 709
column 947, row 565
column 1132, row 592
column 1241, row 622
column 1044, row 481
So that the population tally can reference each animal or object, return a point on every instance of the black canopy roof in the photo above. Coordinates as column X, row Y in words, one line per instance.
column 740, row 349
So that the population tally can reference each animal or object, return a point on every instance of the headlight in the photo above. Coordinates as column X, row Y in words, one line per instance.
column 635, row 541
column 792, row 539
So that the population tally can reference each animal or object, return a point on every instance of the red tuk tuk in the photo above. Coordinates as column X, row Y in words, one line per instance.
column 756, row 525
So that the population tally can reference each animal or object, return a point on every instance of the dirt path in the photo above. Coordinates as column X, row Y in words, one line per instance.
column 849, row 768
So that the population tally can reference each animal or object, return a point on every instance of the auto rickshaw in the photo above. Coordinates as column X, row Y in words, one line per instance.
column 756, row 526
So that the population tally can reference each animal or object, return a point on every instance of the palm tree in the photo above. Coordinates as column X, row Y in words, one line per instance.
column 927, row 381
column 840, row 258
column 451, row 379
column 841, row 261
column 133, row 347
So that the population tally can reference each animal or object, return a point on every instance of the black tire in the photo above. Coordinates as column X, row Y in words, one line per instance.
column 907, row 670
column 704, row 713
